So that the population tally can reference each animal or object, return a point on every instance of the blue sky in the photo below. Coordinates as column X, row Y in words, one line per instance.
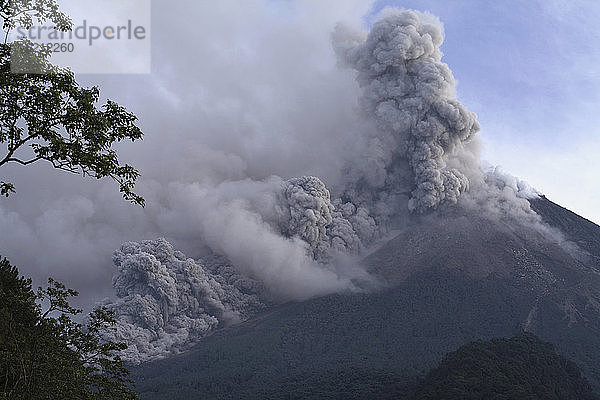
column 531, row 71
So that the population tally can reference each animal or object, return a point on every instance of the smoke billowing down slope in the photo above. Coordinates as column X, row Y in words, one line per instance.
column 276, row 186
column 166, row 301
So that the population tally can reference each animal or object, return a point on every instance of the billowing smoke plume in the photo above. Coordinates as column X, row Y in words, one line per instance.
column 323, row 225
column 310, row 213
column 410, row 94
column 501, row 196
column 496, row 177
column 273, row 182
column 167, row 301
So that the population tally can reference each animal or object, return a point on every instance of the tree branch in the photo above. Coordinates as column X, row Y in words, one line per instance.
column 25, row 162
column 13, row 148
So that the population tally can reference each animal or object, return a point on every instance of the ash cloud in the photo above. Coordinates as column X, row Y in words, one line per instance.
column 262, row 153
column 272, row 230
column 497, row 178
column 410, row 94
column 220, row 113
column 324, row 225
column 168, row 301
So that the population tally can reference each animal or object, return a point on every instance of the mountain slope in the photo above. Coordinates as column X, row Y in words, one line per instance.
column 581, row 231
column 342, row 344
column 455, row 279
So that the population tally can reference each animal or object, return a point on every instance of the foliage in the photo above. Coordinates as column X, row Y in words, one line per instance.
column 44, row 354
column 523, row 367
column 25, row 12
column 48, row 116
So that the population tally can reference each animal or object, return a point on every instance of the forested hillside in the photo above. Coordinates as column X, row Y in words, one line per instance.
column 521, row 368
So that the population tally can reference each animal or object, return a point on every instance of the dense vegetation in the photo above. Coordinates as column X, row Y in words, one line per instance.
column 521, row 368
column 44, row 354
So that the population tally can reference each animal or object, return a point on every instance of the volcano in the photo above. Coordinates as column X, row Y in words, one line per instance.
column 357, row 291
column 452, row 277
